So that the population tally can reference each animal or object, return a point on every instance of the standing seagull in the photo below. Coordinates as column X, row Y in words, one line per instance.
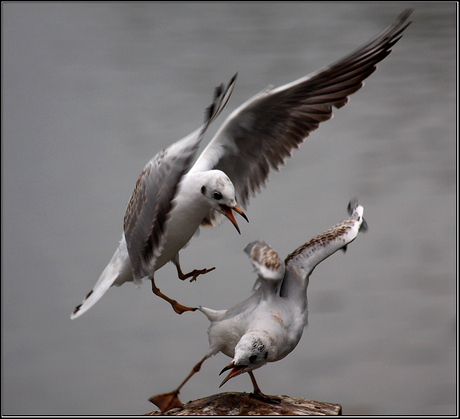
column 257, row 136
column 268, row 325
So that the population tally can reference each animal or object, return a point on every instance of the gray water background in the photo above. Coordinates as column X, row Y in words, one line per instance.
column 91, row 91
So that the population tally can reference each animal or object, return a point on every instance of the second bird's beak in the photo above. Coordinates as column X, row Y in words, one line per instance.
column 236, row 370
column 229, row 214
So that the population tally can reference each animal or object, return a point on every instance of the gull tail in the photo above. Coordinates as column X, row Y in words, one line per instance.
column 212, row 315
column 116, row 272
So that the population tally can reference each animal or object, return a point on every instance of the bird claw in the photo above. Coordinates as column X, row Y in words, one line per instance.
column 197, row 272
column 264, row 398
column 193, row 274
column 166, row 401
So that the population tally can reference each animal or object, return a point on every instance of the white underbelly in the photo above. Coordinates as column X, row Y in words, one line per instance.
column 183, row 225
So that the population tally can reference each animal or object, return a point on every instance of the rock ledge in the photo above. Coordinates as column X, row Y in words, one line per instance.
column 244, row 405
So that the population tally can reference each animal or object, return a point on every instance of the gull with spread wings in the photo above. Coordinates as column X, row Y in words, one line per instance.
column 268, row 325
column 173, row 196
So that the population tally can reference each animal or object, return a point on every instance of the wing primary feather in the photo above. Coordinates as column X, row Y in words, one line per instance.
column 267, row 127
column 301, row 262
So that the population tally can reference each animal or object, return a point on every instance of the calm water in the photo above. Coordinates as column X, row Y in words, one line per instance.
column 92, row 91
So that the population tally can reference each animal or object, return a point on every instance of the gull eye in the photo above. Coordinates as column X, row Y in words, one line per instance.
column 203, row 190
column 217, row 196
column 252, row 358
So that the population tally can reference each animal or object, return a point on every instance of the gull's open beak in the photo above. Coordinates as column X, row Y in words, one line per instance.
column 228, row 213
column 236, row 370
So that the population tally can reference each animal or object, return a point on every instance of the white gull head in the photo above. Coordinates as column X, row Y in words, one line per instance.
column 219, row 193
column 251, row 353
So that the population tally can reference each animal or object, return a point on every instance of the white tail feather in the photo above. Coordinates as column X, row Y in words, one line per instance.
column 116, row 272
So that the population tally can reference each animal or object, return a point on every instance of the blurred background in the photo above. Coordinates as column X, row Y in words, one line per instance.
column 91, row 91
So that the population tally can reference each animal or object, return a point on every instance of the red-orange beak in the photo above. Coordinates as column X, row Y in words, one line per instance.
column 236, row 370
column 228, row 213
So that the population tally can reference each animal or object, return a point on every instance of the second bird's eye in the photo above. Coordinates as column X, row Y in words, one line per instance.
column 217, row 195
column 252, row 358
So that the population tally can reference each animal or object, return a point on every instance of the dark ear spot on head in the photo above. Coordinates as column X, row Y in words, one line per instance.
column 203, row 189
column 252, row 358
column 265, row 355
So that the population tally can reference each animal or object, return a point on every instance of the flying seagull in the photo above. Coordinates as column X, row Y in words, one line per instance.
column 164, row 212
column 258, row 136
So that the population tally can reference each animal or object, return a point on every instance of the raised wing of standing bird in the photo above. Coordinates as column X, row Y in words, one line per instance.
column 268, row 325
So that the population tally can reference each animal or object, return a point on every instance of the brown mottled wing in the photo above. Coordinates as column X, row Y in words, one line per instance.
column 301, row 262
column 265, row 260
column 262, row 132
column 149, row 208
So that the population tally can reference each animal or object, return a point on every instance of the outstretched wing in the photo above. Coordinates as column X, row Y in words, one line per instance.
column 149, row 208
column 301, row 262
column 262, row 132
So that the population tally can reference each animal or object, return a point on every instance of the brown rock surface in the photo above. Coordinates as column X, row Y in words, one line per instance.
column 243, row 404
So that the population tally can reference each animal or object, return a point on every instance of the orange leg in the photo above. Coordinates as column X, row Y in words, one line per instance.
column 168, row 401
column 178, row 308
column 193, row 274
column 259, row 395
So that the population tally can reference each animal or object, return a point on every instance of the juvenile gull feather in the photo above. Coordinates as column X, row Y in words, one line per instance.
column 268, row 325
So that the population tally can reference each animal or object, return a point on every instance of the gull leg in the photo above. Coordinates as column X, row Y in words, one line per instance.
column 168, row 401
column 259, row 395
column 178, row 308
column 193, row 274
